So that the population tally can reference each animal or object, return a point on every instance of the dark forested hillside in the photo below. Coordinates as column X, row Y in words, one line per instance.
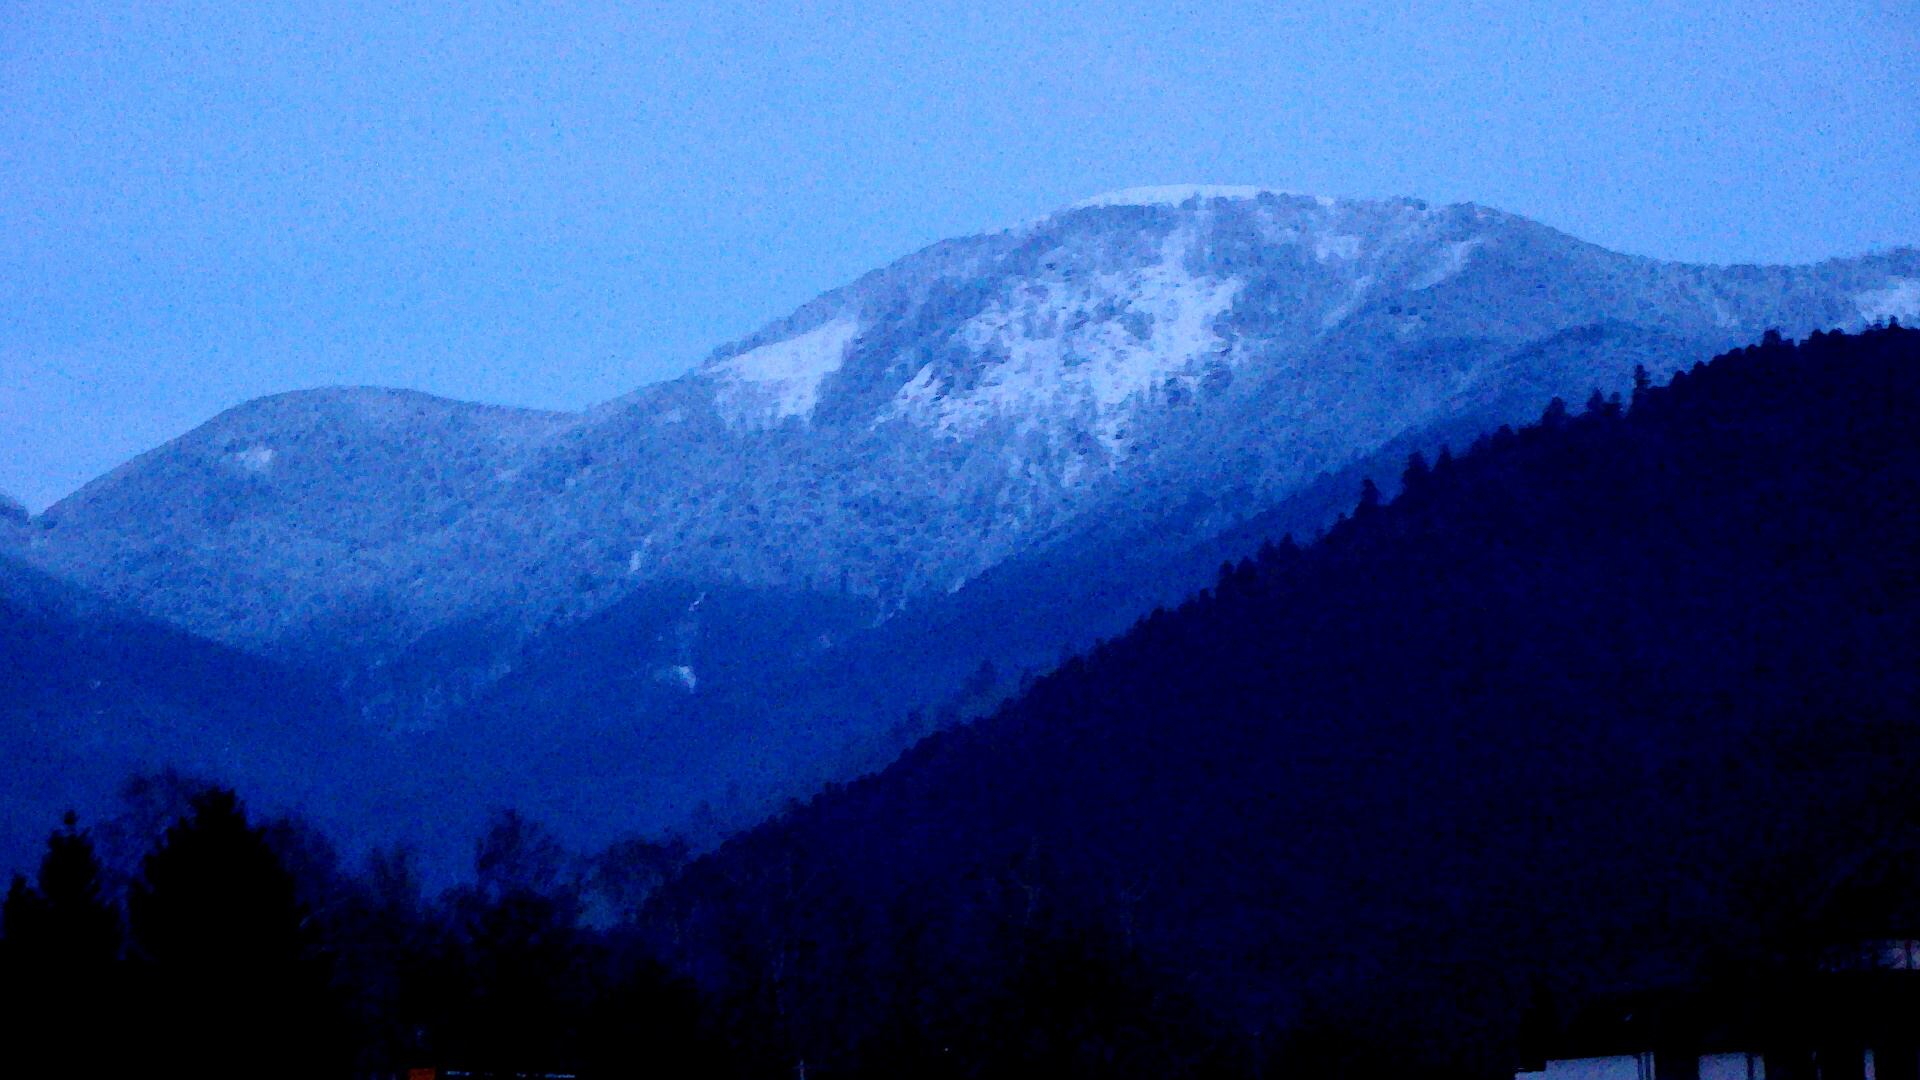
column 1590, row 704
column 90, row 692
column 1621, row 699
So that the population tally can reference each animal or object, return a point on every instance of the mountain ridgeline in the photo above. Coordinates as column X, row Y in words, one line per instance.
column 894, row 438
column 1595, row 702
column 1623, row 696
column 728, row 588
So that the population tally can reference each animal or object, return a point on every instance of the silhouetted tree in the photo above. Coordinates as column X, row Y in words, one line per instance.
column 646, row 1021
column 623, row 876
column 233, row 973
column 1417, row 471
column 59, row 962
column 1539, row 1026
column 1369, row 497
column 513, row 976
column 518, row 855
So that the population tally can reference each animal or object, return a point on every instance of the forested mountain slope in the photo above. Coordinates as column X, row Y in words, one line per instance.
column 91, row 693
column 875, row 515
column 1587, row 703
column 1113, row 365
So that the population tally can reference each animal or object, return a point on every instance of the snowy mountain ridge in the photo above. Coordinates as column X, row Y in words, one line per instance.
column 1176, row 194
column 1202, row 349
column 1083, row 337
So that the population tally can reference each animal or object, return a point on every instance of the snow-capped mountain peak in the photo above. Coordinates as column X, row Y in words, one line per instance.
column 1073, row 323
column 1178, row 194
column 1208, row 345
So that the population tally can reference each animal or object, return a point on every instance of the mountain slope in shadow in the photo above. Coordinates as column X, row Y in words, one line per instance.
column 1585, row 704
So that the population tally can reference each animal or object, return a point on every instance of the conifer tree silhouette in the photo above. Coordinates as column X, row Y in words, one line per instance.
column 83, row 923
column 232, row 974
column 24, row 916
column 61, row 953
column 1416, row 473
column 1539, row 1026
column 1369, row 497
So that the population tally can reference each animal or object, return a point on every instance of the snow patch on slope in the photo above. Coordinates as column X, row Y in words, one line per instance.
column 1899, row 300
column 1453, row 259
column 1085, row 349
column 1356, row 293
column 1328, row 248
column 255, row 459
column 763, row 386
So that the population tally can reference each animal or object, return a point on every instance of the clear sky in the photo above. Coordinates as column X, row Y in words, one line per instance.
column 549, row 204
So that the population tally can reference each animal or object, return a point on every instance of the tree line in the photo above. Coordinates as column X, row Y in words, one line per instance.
column 241, row 947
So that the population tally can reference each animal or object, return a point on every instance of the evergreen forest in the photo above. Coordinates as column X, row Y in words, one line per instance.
column 1623, row 698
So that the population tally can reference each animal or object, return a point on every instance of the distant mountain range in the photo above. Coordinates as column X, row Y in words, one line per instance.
column 900, row 497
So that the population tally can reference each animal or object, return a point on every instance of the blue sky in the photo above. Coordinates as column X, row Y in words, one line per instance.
column 548, row 205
